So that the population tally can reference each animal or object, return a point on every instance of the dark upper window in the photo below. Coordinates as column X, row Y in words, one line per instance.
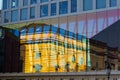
column 113, row 3
column 87, row 5
column 43, row 1
column 53, row 9
column 32, row 12
column 24, row 14
column 14, row 16
column 100, row 4
column 25, row 2
column 44, row 10
column 63, row 7
column 6, row 4
column 73, row 5
column 33, row 1
column 6, row 17
column 14, row 3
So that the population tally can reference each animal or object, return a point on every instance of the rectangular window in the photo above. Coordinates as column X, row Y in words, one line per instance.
column 6, row 17
column 6, row 4
column 100, row 4
column 14, row 16
column 43, row 1
column 44, row 10
column 33, row 1
column 87, row 5
column 14, row 3
column 73, row 5
column 63, row 7
column 113, row 3
column 32, row 12
column 53, row 9
column 25, row 2
column 24, row 14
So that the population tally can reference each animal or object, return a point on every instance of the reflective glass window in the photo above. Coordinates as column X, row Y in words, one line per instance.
column 63, row 7
column 25, row 2
column 54, row 30
column 113, row 3
column 14, row 16
column 38, row 29
column 73, row 5
column 6, row 17
column 46, row 28
column 33, row 1
column 44, row 10
column 24, row 14
column 53, row 9
column 43, row 1
column 31, row 30
column 100, row 4
column 23, row 32
column 32, row 12
column 6, row 4
column 14, row 3
column 87, row 5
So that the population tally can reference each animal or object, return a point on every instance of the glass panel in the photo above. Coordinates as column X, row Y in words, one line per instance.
column 43, row 1
column 32, row 12
column 113, row 3
column 53, row 9
column 33, row 1
column 14, row 3
column 24, row 14
column 87, row 5
column 14, row 16
column 63, row 7
column 25, row 2
column 6, row 4
column 73, row 5
column 6, row 17
column 44, row 10
column 100, row 4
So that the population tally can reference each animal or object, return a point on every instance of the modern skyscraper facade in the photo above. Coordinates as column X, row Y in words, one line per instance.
column 63, row 26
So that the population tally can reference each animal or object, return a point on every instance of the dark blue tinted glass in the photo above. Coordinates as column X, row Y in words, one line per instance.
column 113, row 3
column 43, row 1
column 46, row 28
column 32, row 12
column 14, row 3
column 25, row 2
column 14, row 16
column 6, row 4
column 24, row 14
column 63, row 7
column 53, row 9
column 100, row 4
column 6, row 17
column 23, row 32
column 73, row 5
column 33, row 1
column 44, row 10
column 38, row 29
column 31, row 30
column 87, row 5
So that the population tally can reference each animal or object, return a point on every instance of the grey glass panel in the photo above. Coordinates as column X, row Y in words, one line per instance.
column 24, row 14
column 44, row 10
column 32, row 12
column 87, row 5
column 63, row 7
column 14, row 16
column 113, row 3
column 73, row 5
column 100, row 4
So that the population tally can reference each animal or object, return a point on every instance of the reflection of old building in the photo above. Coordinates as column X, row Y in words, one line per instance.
column 100, row 52
column 9, row 50
column 47, row 48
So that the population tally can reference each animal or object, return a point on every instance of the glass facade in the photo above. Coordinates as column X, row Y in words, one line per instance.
column 100, row 4
column 43, row 1
column 113, row 3
column 24, row 14
column 6, row 17
column 32, row 12
column 87, row 5
column 25, row 2
column 14, row 16
column 73, row 5
column 44, row 10
column 52, row 49
column 63, row 7
column 14, row 3
column 33, row 1
column 53, row 9
column 6, row 4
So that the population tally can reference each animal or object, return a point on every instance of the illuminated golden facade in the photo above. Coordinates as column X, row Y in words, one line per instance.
column 46, row 48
